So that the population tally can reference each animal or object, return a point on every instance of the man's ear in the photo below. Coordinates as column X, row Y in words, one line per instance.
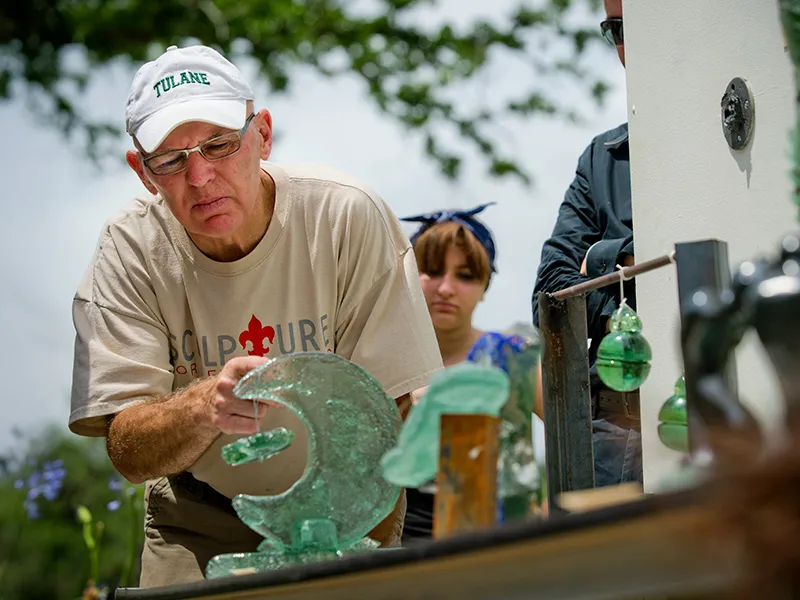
column 134, row 160
column 264, row 121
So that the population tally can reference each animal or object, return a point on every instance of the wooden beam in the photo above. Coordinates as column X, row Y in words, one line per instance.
column 597, row 498
column 466, row 497
column 665, row 553
column 567, row 401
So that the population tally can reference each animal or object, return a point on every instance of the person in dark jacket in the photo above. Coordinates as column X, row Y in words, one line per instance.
column 592, row 235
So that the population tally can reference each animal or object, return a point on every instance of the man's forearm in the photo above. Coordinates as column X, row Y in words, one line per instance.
column 164, row 436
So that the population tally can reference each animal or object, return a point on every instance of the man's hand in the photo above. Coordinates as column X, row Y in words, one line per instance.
column 168, row 434
column 228, row 413
column 628, row 261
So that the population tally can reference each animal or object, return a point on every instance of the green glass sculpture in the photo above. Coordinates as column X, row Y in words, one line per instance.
column 342, row 494
column 519, row 489
column 463, row 389
column 673, row 430
column 259, row 446
column 623, row 357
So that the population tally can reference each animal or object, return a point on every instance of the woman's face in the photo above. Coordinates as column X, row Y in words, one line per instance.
column 453, row 294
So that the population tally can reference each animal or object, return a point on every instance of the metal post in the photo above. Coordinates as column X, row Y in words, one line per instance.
column 567, row 396
column 466, row 498
column 703, row 265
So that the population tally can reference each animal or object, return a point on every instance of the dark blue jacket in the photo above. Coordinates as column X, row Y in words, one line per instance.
column 596, row 214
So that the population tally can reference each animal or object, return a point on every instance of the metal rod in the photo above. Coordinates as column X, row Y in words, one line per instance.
column 612, row 278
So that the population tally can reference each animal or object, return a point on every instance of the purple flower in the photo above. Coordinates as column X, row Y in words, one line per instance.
column 114, row 505
column 33, row 479
column 50, row 492
column 32, row 508
column 54, row 475
column 116, row 484
column 45, row 484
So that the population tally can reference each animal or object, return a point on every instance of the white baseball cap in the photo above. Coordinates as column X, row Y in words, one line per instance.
column 183, row 85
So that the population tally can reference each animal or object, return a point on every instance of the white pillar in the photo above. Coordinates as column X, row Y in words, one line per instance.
column 688, row 184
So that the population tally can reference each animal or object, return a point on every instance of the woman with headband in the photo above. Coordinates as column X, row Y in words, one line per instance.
column 456, row 259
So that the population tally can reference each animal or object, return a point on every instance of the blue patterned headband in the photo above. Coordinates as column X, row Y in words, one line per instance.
column 462, row 217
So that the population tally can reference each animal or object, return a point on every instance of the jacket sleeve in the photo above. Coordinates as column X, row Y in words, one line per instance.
column 575, row 231
column 604, row 256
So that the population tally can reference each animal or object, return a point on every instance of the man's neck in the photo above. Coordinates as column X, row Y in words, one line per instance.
column 252, row 230
column 454, row 345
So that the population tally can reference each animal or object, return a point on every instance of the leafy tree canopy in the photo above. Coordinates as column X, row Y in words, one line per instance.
column 411, row 71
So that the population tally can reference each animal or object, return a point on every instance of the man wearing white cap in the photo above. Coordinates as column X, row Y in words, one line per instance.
column 231, row 261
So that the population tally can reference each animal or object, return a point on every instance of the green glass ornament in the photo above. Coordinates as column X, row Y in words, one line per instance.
column 623, row 357
column 673, row 430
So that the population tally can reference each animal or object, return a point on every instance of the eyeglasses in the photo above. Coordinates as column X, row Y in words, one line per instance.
column 612, row 31
column 217, row 148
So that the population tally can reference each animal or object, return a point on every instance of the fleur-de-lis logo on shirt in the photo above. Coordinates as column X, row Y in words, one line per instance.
column 256, row 334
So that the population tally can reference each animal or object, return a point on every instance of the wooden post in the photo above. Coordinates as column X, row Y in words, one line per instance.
column 567, row 400
column 466, row 497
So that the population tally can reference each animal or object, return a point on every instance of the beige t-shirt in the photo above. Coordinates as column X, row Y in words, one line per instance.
column 334, row 272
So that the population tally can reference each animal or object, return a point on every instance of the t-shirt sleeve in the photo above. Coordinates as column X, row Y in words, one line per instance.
column 122, row 350
column 383, row 324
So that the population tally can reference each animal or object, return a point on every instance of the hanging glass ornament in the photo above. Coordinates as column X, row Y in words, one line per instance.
column 673, row 430
column 623, row 357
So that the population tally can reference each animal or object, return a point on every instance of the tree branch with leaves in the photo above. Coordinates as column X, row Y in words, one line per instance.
column 411, row 71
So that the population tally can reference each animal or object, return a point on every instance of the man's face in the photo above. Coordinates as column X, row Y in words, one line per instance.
column 211, row 199
column 614, row 11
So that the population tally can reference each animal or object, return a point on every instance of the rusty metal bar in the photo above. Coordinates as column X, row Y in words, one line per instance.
column 611, row 278
column 466, row 496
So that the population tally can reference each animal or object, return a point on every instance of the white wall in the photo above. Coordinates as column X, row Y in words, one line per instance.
column 687, row 183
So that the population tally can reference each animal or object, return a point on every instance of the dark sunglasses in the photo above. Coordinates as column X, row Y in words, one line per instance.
column 612, row 31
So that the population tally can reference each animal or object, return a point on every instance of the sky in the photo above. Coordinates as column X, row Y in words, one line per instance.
column 55, row 201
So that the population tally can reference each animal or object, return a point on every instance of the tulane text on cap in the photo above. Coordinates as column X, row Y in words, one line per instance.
column 169, row 82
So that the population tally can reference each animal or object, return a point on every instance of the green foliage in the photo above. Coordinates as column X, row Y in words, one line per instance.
column 47, row 557
column 411, row 71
